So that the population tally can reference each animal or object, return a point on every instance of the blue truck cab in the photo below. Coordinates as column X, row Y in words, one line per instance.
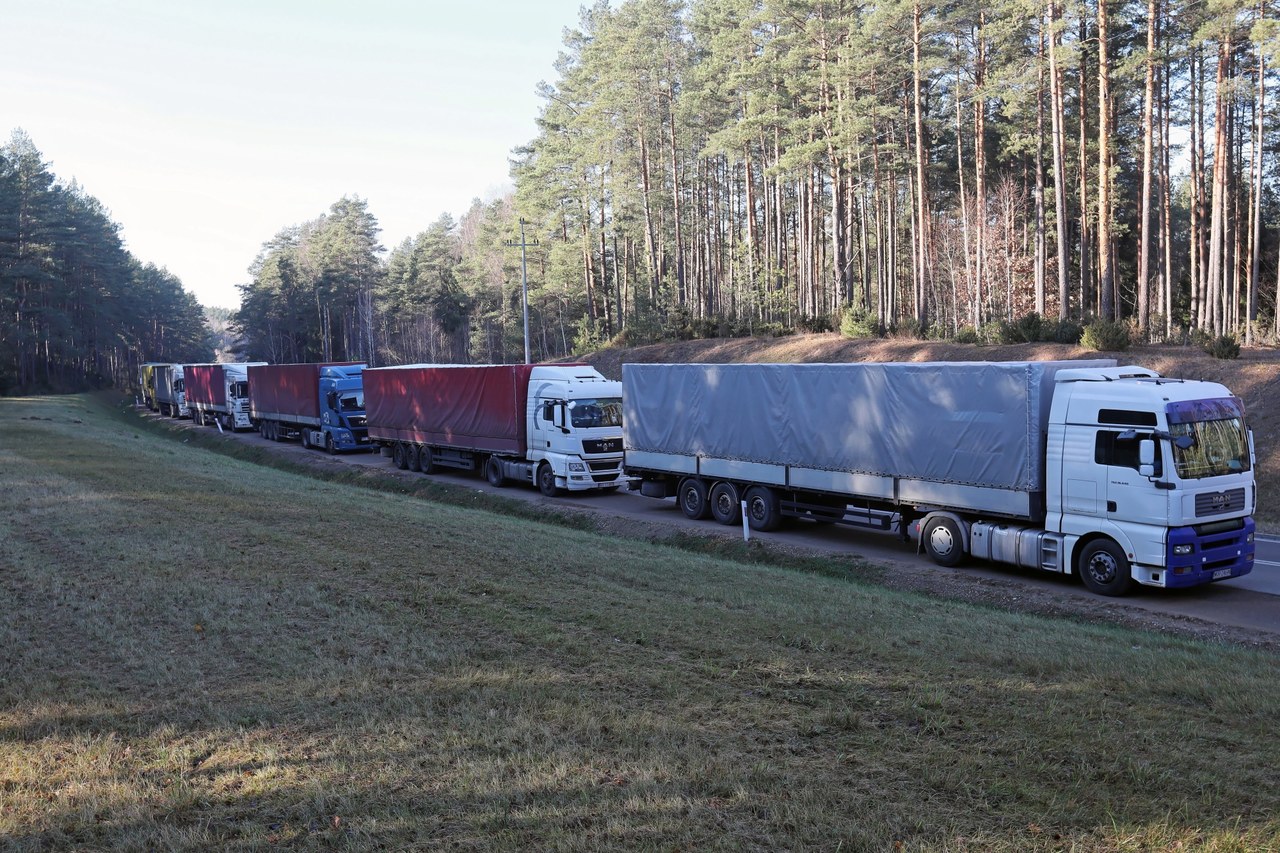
column 343, row 423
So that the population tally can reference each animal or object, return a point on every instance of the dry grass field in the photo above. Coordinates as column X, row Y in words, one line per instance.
column 199, row 652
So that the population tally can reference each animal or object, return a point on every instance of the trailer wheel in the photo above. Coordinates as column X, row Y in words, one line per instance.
column 692, row 494
column 411, row 456
column 725, row 503
column 426, row 460
column 306, row 438
column 493, row 473
column 547, row 481
column 1104, row 568
column 943, row 542
column 763, row 511
column 400, row 455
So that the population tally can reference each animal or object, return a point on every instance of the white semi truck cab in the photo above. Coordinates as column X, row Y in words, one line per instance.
column 575, row 430
column 1148, row 480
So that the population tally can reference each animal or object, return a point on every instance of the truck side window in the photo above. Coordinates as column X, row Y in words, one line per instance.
column 548, row 410
column 1124, row 454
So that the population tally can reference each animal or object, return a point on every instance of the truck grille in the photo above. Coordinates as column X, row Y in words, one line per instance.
column 1216, row 503
column 602, row 445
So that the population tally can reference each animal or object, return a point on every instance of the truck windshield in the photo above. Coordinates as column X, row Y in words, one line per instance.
column 602, row 412
column 1216, row 428
column 351, row 401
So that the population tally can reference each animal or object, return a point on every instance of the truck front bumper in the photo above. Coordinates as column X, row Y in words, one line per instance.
column 1194, row 557
column 585, row 475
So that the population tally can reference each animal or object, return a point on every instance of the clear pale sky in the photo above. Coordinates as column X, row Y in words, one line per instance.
column 207, row 128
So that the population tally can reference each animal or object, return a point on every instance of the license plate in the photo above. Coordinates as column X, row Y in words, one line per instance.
column 1221, row 573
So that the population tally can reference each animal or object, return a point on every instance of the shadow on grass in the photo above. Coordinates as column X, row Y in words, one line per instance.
column 382, row 480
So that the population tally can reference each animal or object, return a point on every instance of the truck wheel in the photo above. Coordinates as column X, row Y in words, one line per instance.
column 306, row 438
column 763, row 512
column 943, row 542
column 1104, row 569
column 547, row 481
column 692, row 494
column 725, row 503
column 411, row 456
column 426, row 460
column 493, row 473
column 400, row 455
column 328, row 444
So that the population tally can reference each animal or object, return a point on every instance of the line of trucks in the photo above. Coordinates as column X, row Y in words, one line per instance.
column 1111, row 473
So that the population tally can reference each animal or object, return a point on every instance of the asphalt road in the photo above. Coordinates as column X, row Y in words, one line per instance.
column 1251, row 602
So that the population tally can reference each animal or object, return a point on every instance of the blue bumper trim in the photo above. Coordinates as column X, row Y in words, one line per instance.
column 1214, row 556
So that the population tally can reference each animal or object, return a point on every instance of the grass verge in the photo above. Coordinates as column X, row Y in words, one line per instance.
column 196, row 651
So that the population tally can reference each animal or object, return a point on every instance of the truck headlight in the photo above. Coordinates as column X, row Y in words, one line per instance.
column 1181, row 550
column 577, row 466
column 1248, row 537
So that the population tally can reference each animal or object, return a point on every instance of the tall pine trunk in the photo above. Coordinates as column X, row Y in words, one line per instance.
column 922, row 205
column 1106, row 272
column 1059, row 164
column 1255, row 213
column 980, row 168
column 1148, row 132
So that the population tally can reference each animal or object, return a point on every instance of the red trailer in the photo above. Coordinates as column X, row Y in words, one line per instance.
column 468, row 408
column 323, row 404
column 219, row 393
column 559, row 426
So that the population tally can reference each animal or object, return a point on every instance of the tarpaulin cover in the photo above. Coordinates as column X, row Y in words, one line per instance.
column 204, row 385
column 287, row 389
column 165, row 375
column 467, row 407
column 973, row 423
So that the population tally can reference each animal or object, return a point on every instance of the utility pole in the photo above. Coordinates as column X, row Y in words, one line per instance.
column 524, row 284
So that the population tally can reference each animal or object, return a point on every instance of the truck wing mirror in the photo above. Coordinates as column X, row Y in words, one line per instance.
column 1147, row 458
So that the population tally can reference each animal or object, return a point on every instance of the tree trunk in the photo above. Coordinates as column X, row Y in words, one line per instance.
column 1040, row 259
column 1106, row 272
column 1218, row 212
column 922, row 205
column 1087, row 301
column 1148, row 131
column 651, row 240
column 980, row 168
column 964, row 204
column 1255, row 214
column 1059, row 164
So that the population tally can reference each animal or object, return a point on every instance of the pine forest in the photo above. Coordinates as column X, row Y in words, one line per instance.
column 977, row 171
